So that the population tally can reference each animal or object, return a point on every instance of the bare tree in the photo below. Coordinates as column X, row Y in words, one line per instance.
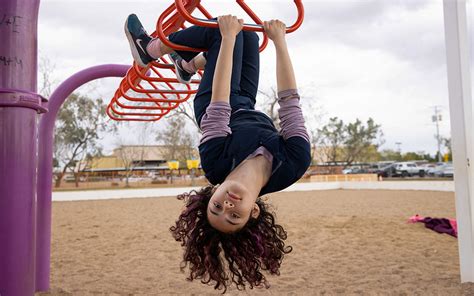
column 46, row 69
column 132, row 151
column 270, row 105
column 181, row 144
column 78, row 126
column 185, row 109
column 131, row 156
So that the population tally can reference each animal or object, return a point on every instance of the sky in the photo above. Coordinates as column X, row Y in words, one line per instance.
column 353, row 59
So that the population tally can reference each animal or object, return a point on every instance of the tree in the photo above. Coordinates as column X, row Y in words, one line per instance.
column 185, row 109
column 360, row 138
column 131, row 156
column 331, row 138
column 269, row 105
column 134, row 155
column 46, row 83
column 411, row 156
column 390, row 155
column 78, row 126
column 348, row 143
column 180, row 142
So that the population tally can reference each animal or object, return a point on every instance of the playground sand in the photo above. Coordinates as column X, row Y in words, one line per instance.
column 345, row 242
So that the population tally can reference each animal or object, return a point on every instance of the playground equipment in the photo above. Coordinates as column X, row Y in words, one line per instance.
column 149, row 93
column 26, row 163
column 26, row 143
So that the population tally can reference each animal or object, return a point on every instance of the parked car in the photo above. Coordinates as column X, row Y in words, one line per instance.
column 435, row 171
column 347, row 171
column 407, row 169
column 387, row 171
column 351, row 170
column 445, row 171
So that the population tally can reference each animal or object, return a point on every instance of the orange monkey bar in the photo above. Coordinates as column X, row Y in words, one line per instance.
column 148, row 94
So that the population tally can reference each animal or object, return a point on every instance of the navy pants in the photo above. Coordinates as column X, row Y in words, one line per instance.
column 245, row 69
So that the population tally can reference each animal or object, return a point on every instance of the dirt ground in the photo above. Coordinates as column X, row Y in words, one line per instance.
column 345, row 243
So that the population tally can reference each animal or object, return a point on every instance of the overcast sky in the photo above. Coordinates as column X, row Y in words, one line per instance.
column 353, row 59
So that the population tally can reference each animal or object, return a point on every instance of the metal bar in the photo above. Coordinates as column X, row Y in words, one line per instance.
column 460, row 107
column 45, row 169
column 18, row 146
column 248, row 27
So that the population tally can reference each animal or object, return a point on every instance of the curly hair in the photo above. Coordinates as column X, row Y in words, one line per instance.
column 259, row 245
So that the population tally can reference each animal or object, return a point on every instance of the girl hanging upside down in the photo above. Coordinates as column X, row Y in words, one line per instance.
column 228, row 233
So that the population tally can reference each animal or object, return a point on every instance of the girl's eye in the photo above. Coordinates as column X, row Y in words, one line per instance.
column 235, row 215
column 217, row 205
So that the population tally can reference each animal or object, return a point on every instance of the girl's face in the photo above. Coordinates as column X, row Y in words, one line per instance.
column 231, row 206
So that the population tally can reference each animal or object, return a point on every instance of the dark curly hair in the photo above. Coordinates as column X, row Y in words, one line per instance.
column 259, row 245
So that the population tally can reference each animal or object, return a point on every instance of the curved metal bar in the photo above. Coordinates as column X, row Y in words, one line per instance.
column 162, row 34
column 45, row 161
column 111, row 113
column 248, row 27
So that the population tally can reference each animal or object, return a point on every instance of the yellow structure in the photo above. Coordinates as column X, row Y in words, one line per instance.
column 173, row 165
column 192, row 164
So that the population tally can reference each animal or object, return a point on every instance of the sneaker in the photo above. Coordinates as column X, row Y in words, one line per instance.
column 138, row 39
column 182, row 75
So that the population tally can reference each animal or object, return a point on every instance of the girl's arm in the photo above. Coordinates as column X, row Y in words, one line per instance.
column 215, row 122
column 276, row 31
column 229, row 27
column 291, row 116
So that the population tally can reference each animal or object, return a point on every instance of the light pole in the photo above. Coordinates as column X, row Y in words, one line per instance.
column 399, row 150
column 437, row 118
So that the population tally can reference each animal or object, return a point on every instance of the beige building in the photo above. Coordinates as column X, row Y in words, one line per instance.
column 139, row 158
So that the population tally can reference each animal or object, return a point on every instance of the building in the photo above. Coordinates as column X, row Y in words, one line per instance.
column 139, row 159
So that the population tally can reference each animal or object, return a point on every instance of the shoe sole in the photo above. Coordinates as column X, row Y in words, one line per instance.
column 133, row 48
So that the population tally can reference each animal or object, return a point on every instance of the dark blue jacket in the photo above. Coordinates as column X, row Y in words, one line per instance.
column 250, row 130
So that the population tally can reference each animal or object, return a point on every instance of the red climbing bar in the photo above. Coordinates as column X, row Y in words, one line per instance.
column 149, row 93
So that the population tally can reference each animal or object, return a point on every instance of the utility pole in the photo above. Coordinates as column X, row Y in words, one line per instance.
column 399, row 149
column 437, row 118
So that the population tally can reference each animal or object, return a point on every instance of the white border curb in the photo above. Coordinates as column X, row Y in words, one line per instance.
column 160, row 192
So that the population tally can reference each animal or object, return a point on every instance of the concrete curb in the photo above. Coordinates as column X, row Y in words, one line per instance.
column 160, row 192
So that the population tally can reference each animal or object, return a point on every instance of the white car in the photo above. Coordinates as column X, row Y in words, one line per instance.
column 440, row 166
column 446, row 171
column 407, row 169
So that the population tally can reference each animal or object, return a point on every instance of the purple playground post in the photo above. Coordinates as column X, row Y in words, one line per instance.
column 19, row 108
column 45, row 165
column 25, row 177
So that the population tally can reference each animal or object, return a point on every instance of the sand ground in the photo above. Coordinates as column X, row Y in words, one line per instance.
column 345, row 243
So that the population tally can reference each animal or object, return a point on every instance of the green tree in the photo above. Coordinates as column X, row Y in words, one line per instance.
column 360, row 140
column 349, row 143
column 411, row 156
column 332, row 137
column 78, row 127
column 390, row 155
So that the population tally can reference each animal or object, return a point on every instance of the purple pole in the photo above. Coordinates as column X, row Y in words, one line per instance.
column 19, row 106
column 45, row 166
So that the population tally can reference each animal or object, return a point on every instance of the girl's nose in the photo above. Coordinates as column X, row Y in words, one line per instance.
column 229, row 204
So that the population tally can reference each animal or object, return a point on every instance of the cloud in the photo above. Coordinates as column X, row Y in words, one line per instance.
column 359, row 59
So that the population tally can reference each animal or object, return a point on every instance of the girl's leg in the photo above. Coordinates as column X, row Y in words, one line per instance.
column 197, row 37
column 211, row 39
column 250, row 66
